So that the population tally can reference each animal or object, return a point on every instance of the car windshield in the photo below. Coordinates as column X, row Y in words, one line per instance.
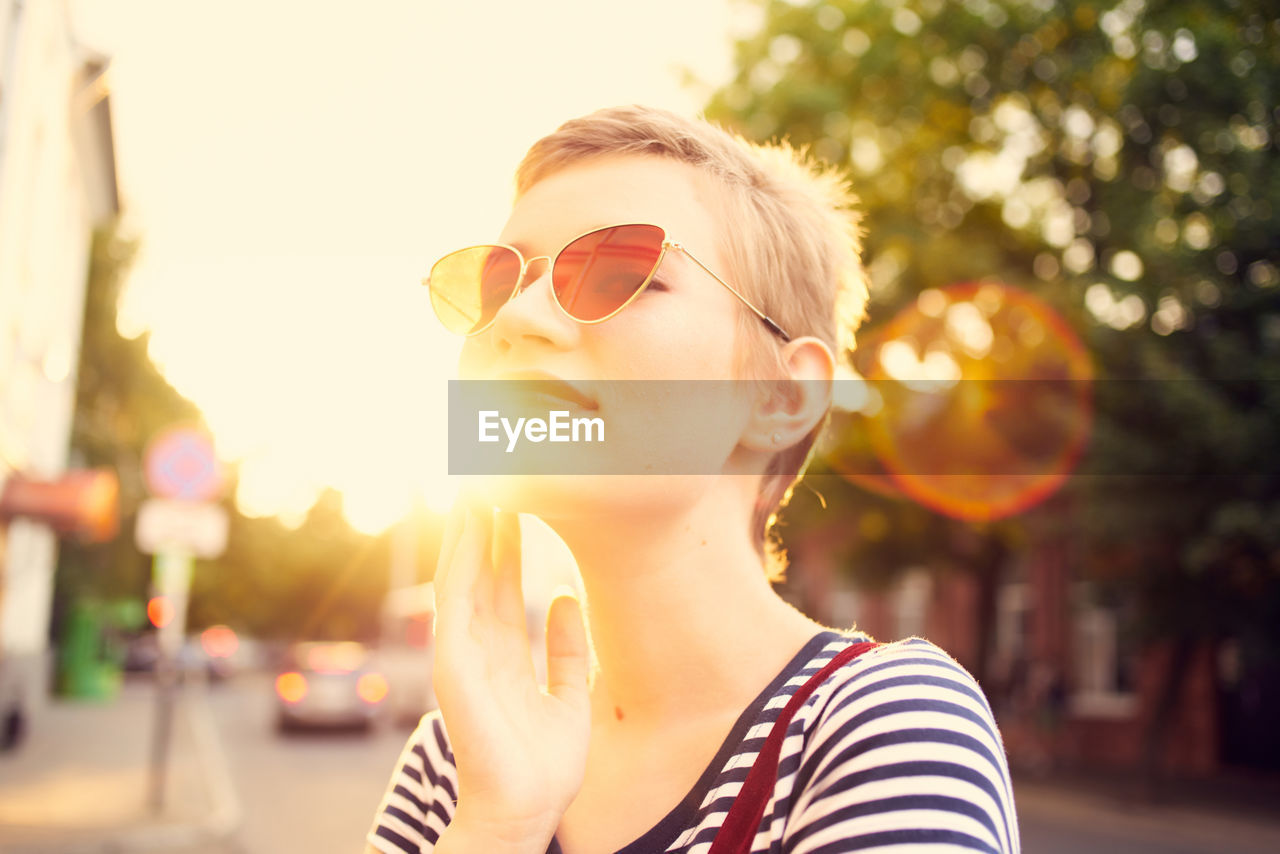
column 341, row 657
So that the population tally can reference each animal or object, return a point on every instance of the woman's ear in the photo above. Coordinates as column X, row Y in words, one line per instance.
column 789, row 408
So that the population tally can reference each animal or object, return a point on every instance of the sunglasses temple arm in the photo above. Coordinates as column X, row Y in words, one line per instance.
column 768, row 321
column 772, row 324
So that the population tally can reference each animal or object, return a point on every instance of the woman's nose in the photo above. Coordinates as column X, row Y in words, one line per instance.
column 534, row 269
column 531, row 313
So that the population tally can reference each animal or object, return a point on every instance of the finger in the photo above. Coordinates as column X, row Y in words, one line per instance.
column 482, row 585
column 456, row 598
column 453, row 527
column 567, row 652
column 508, row 593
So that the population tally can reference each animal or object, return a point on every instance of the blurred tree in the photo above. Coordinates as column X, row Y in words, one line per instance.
column 320, row 581
column 121, row 402
column 1118, row 160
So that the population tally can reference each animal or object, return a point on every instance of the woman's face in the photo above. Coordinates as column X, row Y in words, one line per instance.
column 682, row 327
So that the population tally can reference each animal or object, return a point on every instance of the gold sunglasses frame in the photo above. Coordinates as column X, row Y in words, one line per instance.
column 667, row 245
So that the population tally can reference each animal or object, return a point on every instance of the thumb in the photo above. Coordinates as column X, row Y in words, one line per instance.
column 568, row 658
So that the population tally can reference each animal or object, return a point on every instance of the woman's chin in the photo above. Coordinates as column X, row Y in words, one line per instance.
column 608, row 499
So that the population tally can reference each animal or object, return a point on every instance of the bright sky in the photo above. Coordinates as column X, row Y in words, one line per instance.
column 293, row 168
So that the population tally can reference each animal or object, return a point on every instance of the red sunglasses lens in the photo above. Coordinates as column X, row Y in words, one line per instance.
column 470, row 285
column 596, row 274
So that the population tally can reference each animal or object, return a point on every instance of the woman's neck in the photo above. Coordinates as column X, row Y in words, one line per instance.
column 683, row 620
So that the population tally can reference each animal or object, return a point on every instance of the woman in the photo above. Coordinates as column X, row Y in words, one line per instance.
column 694, row 653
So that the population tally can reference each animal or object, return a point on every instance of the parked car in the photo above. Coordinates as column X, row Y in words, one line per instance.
column 329, row 684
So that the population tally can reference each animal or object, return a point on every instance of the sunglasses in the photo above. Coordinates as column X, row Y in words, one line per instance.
column 595, row 276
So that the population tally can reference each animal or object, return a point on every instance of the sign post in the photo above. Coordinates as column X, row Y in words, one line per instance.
column 179, row 524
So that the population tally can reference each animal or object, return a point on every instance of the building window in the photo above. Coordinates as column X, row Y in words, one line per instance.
column 1103, row 655
column 911, row 603
column 1008, row 666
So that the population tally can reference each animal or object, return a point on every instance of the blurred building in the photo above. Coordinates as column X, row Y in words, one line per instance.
column 1069, row 680
column 57, row 180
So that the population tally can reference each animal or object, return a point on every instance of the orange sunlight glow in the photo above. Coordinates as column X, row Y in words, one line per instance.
column 988, row 403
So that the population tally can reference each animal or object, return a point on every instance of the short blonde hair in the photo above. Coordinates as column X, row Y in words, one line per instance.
column 791, row 239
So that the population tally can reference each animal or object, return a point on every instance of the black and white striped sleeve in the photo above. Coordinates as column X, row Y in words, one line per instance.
column 905, row 752
column 421, row 796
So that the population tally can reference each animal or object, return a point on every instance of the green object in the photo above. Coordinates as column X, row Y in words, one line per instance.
column 83, row 670
column 128, row 614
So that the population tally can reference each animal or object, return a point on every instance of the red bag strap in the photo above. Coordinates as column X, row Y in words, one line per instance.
column 739, row 828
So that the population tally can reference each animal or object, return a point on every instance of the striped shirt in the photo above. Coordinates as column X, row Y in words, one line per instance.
column 896, row 751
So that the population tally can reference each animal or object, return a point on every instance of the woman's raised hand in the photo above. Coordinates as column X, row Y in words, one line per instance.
column 520, row 751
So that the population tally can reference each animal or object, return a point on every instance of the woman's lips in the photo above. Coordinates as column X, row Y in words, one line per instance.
column 539, row 384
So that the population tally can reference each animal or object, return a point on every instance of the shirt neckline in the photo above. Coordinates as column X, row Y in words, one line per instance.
column 669, row 827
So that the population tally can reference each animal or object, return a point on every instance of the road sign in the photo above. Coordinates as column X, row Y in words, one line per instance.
column 183, row 527
column 179, row 524
column 181, row 463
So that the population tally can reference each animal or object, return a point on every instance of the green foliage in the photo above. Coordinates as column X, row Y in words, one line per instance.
column 121, row 402
column 322, row 581
column 1117, row 160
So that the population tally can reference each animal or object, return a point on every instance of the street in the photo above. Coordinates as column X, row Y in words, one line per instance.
column 317, row 792
column 301, row 791
column 1056, row 823
column 237, row 786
